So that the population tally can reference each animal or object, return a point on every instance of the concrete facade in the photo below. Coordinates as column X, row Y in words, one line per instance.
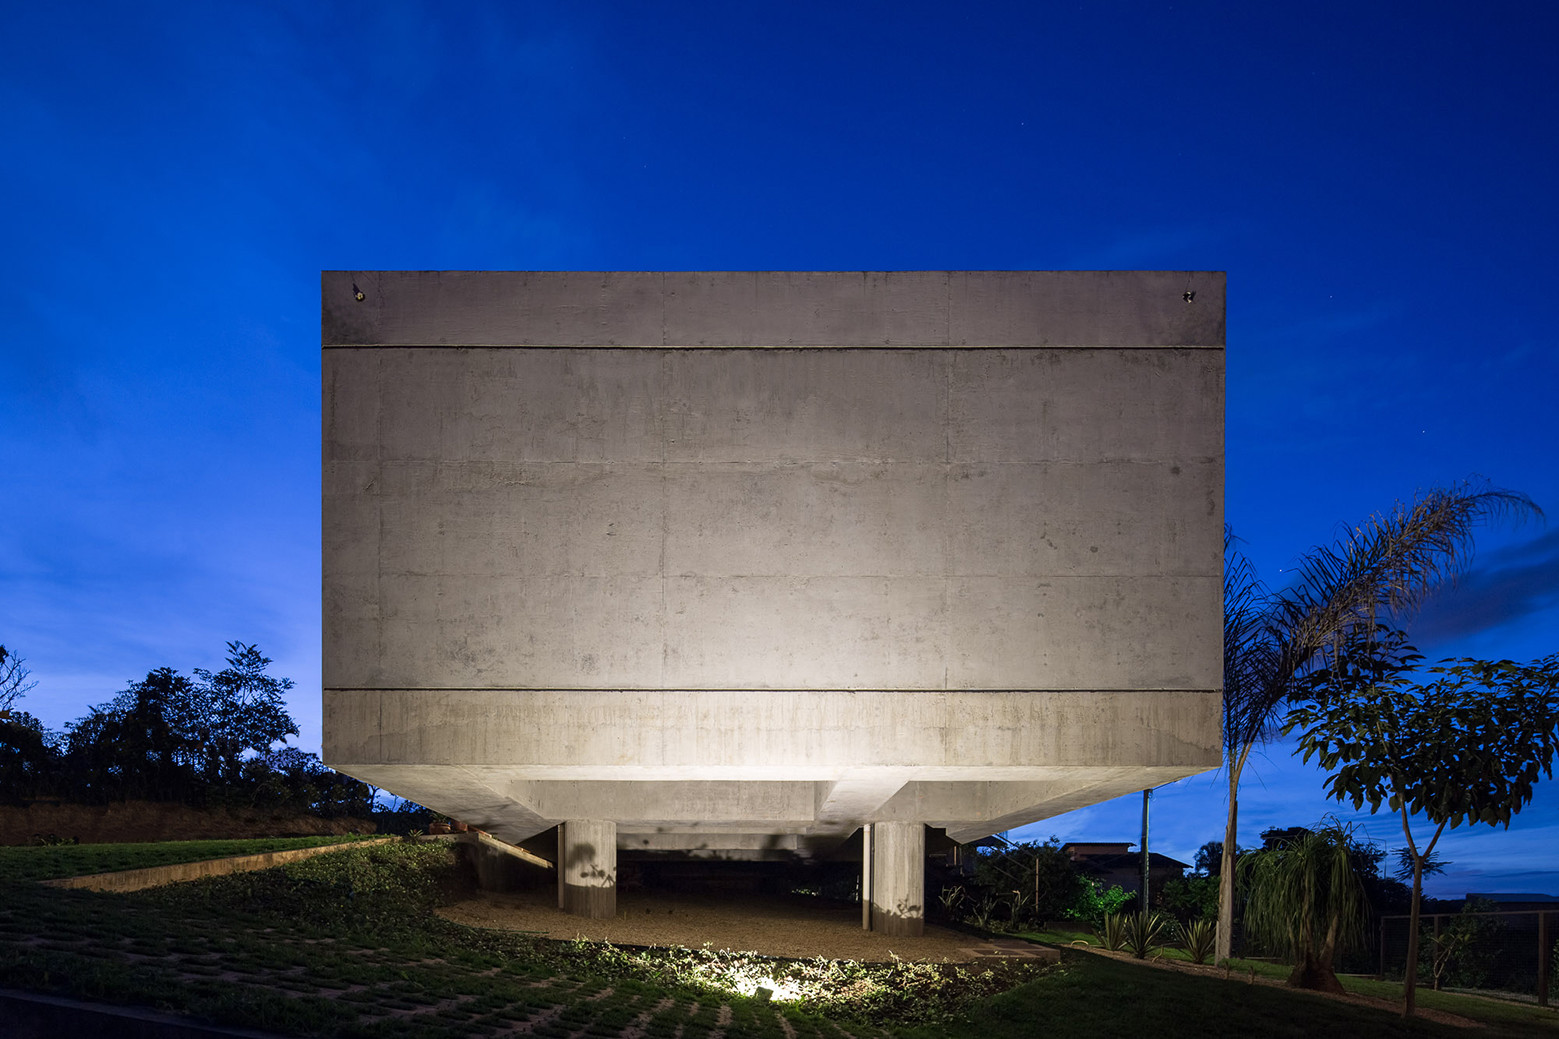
column 746, row 561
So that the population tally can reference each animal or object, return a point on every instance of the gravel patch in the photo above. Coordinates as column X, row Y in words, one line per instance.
column 796, row 927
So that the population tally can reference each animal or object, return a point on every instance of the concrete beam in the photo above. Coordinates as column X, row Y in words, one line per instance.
column 758, row 309
column 847, row 802
column 457, row 791
column 719, row 734
column 628, row 840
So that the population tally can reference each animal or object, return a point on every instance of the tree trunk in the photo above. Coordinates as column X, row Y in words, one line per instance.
column 1410, row 972
column 1314, row 973
column 1226, row 869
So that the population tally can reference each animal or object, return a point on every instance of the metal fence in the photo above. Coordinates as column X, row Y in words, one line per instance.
column 1509, row 953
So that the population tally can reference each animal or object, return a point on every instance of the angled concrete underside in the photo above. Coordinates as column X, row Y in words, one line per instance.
column 739, row 562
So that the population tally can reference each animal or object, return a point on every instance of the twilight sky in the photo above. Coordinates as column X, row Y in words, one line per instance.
column 1376, row 179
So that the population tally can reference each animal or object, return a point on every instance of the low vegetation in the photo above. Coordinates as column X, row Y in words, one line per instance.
column 51, row 861
column 347, row 944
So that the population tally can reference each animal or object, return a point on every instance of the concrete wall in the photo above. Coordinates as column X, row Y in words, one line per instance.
column 554, row 500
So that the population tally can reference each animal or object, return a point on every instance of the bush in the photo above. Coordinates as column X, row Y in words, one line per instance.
column 1094, row 904
column 1190, row 898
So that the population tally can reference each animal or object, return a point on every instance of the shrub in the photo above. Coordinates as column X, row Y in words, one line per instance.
column 1093, row 903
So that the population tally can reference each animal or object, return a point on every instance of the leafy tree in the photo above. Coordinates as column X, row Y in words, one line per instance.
column 27, row 756
column 136, row 745
column 1381, row 569
column 170, row 737
column 1304, row 895
column 1463, row 951
column 1037, row 881
column 1465, row 747
column 1209, row 858
column 296, row 779
column 1191, row 898
column 238, row 710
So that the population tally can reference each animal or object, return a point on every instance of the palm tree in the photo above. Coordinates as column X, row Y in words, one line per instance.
column 1305, row 896
column 1255, row 682
column 1383, row 569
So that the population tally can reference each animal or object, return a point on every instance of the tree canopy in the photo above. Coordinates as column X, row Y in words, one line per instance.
column 201, row 739
column 1465, row 747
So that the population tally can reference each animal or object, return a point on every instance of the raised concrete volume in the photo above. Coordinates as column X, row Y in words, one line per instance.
column 747, row 560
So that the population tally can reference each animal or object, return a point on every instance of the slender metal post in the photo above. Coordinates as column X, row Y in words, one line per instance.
column 1147, row 795
column 1545, row 953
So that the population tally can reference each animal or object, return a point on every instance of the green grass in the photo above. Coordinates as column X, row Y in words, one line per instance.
column 73, row 860
column 1505, row 1018
column 346, row 945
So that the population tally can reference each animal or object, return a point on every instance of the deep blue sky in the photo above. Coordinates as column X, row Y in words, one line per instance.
column 1378, row 180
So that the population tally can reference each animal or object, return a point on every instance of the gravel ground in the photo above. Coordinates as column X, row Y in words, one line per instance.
column 800, row 928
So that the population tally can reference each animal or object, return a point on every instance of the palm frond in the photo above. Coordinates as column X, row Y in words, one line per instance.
column 1386, row 567
column 1254, row 679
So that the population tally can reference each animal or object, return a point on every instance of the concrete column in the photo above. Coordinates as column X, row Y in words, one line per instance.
column 866, row 877
column 587, row 868
column 898, row 878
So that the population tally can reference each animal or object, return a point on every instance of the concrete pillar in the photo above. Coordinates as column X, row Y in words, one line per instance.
column 587, row 868
column 898, row 879
column 866, row 877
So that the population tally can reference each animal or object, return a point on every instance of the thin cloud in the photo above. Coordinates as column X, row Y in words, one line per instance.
column 1519, row 581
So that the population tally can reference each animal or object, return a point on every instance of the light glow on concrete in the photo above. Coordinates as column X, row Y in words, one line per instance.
column 723, row 558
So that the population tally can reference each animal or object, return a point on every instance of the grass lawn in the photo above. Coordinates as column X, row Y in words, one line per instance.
column 347, row 945
column 73, row 860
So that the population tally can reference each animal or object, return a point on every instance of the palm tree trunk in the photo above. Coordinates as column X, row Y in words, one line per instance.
column 1226, row 867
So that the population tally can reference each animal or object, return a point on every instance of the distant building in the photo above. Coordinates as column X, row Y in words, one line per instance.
column 1115, row 863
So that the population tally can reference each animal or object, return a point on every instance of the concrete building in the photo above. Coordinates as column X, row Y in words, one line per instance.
column 744, row 563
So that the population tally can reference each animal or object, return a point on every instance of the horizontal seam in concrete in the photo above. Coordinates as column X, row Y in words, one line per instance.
column 157, row 876
column 728, row 689
column 907, row 347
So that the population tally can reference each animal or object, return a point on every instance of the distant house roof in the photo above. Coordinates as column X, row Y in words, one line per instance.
column 1130, row 861
column 1083, row 849
column 1114, row 856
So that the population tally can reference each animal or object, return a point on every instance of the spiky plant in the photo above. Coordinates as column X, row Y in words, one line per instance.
column 1145, row 931
column 1198, row 938
column 1112, row 934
